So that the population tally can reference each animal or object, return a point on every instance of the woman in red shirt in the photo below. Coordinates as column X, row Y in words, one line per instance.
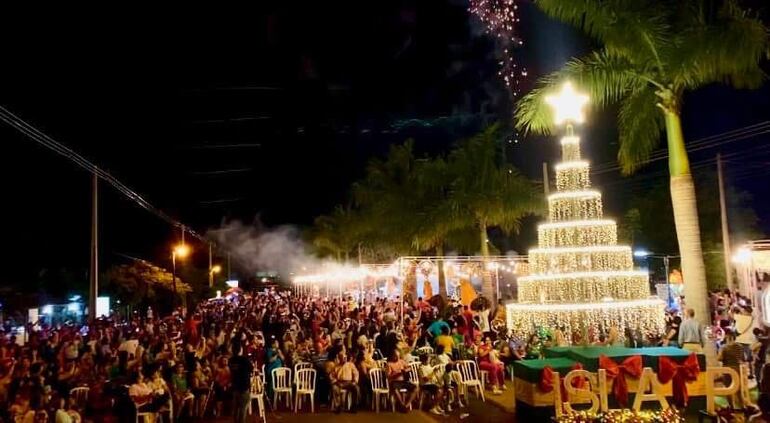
column 489, row 363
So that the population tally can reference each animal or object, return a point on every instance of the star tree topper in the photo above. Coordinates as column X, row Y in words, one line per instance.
column 568, row 105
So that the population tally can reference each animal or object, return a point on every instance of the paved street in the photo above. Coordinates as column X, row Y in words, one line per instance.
column 495, row 409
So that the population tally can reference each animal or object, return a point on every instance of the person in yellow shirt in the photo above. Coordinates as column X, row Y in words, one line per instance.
column 445, row 340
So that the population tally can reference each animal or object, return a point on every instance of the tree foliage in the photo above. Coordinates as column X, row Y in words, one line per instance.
column 141, row 281
column 652, row 52
column 651, row 211
column 407, row 205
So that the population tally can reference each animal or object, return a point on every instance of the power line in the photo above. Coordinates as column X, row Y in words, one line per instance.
column 48, row 142
column 711, row 140
column 700, row 144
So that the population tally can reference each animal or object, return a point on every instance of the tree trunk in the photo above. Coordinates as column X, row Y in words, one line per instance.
column 487, row 286
column 686, row 220
column 441, row 275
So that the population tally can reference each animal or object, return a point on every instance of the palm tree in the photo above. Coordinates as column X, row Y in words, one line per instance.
column 486, row 193
column 652, row 52
column 337, row 233
column 435, row 219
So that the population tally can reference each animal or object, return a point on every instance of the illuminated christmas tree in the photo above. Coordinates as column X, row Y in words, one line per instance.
column 581, row 281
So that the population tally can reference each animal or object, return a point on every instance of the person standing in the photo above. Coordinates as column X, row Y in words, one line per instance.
column 691, row 333
column 240, row 374
column 744, row 330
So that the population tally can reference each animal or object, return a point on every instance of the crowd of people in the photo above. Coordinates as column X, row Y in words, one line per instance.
column 202, row 363
column 205, row 362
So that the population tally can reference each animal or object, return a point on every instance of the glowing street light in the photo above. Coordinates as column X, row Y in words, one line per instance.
column 180, row 251
column 567, row 105
column 214, row 269
column 641, row 253
column 742, row 256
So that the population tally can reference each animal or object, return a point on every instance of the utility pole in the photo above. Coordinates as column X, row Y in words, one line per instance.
column 546, row 188
column 725, row 229
column 211, row 273
column 93, row 286
column 229, row 276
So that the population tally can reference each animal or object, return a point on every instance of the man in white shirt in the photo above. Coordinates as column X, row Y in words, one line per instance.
column 129, row 345
column 345, row 379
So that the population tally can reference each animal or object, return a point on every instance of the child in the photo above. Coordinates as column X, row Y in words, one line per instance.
column 430, row 382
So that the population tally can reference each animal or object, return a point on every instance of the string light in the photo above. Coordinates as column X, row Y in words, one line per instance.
column 669, row 415
column 574, row 194
column 589, row 286
column 577, row 233
column 570, row 148
column 572, row 318
column 579, row 277
column 580, row 259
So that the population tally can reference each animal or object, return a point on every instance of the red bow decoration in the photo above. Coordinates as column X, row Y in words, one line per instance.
column 631, row 366
column 668, row 369
column 547, row 380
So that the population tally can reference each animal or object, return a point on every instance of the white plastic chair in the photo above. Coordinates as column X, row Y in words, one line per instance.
column 257, row 392
column 80, row 395
column 380, row 387
column 469, row 377
column 299, row 366
column 413, row 377
column 414, row 373
column 305, row 386
column 145, row 416
column 281, row 385
column 424, row 350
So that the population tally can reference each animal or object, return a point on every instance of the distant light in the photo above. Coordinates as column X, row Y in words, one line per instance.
column 75, row 298
column 742, row 256
column 264, row 280
column 47, row 309
column 232, row 283
column 181, row 250
column 216, row 269
column 103, row 306
column 641, row 253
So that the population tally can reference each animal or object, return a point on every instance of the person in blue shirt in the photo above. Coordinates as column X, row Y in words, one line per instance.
column 435, row 328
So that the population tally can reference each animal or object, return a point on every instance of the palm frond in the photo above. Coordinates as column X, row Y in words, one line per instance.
column 725, row 49
column 640, row 124
column 604, row 76
column 634, row 29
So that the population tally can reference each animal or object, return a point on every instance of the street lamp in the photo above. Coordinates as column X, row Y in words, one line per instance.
column 214, row 269
column 648, row 255
column 180, row 251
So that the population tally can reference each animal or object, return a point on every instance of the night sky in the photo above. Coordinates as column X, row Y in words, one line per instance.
column 225, row 113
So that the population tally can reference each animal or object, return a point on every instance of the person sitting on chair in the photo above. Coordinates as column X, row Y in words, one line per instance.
column 431, row 382
column 344, row 381
column 397, row 371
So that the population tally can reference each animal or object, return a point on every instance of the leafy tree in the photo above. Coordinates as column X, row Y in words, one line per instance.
column 142, row 282
column 652, row 52
column 485, row 193
column 654, row 211
column 630, row 226
column 338, row 233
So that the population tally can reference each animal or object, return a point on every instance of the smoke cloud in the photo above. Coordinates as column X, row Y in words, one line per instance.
column 258, row 248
